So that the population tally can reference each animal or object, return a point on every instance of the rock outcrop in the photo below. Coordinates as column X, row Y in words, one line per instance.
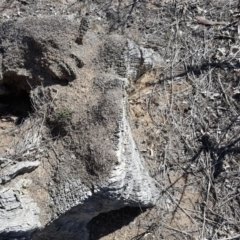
column 77, row 157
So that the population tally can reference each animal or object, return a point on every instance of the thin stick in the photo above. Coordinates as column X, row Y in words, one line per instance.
column 204, row 212
column 176, row 230
column 178, row 205
column 224, row 94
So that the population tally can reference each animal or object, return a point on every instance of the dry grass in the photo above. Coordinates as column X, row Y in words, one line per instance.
column 185, row 118
column 30, row 139
column 200, row 133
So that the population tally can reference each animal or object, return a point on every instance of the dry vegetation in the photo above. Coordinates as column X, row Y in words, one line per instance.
column 195, row 113
column 185, row 118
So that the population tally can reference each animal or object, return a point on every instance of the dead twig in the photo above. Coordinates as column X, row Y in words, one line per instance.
column 176, row 230
column 204, row 21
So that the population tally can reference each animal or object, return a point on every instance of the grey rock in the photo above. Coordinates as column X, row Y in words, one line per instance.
column 42, row 58
column 128, row 59
column 18, row 214
column 8, row 200
column 107, row 171
column 20, row 168
column 127, row 182
column 139, row 60
column 4, row 162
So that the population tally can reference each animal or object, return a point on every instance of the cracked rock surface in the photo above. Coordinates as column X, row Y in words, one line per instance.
column 75, row 156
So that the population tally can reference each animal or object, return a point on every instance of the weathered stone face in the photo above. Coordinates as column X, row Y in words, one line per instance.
column 36, row 51
column 78, row 147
